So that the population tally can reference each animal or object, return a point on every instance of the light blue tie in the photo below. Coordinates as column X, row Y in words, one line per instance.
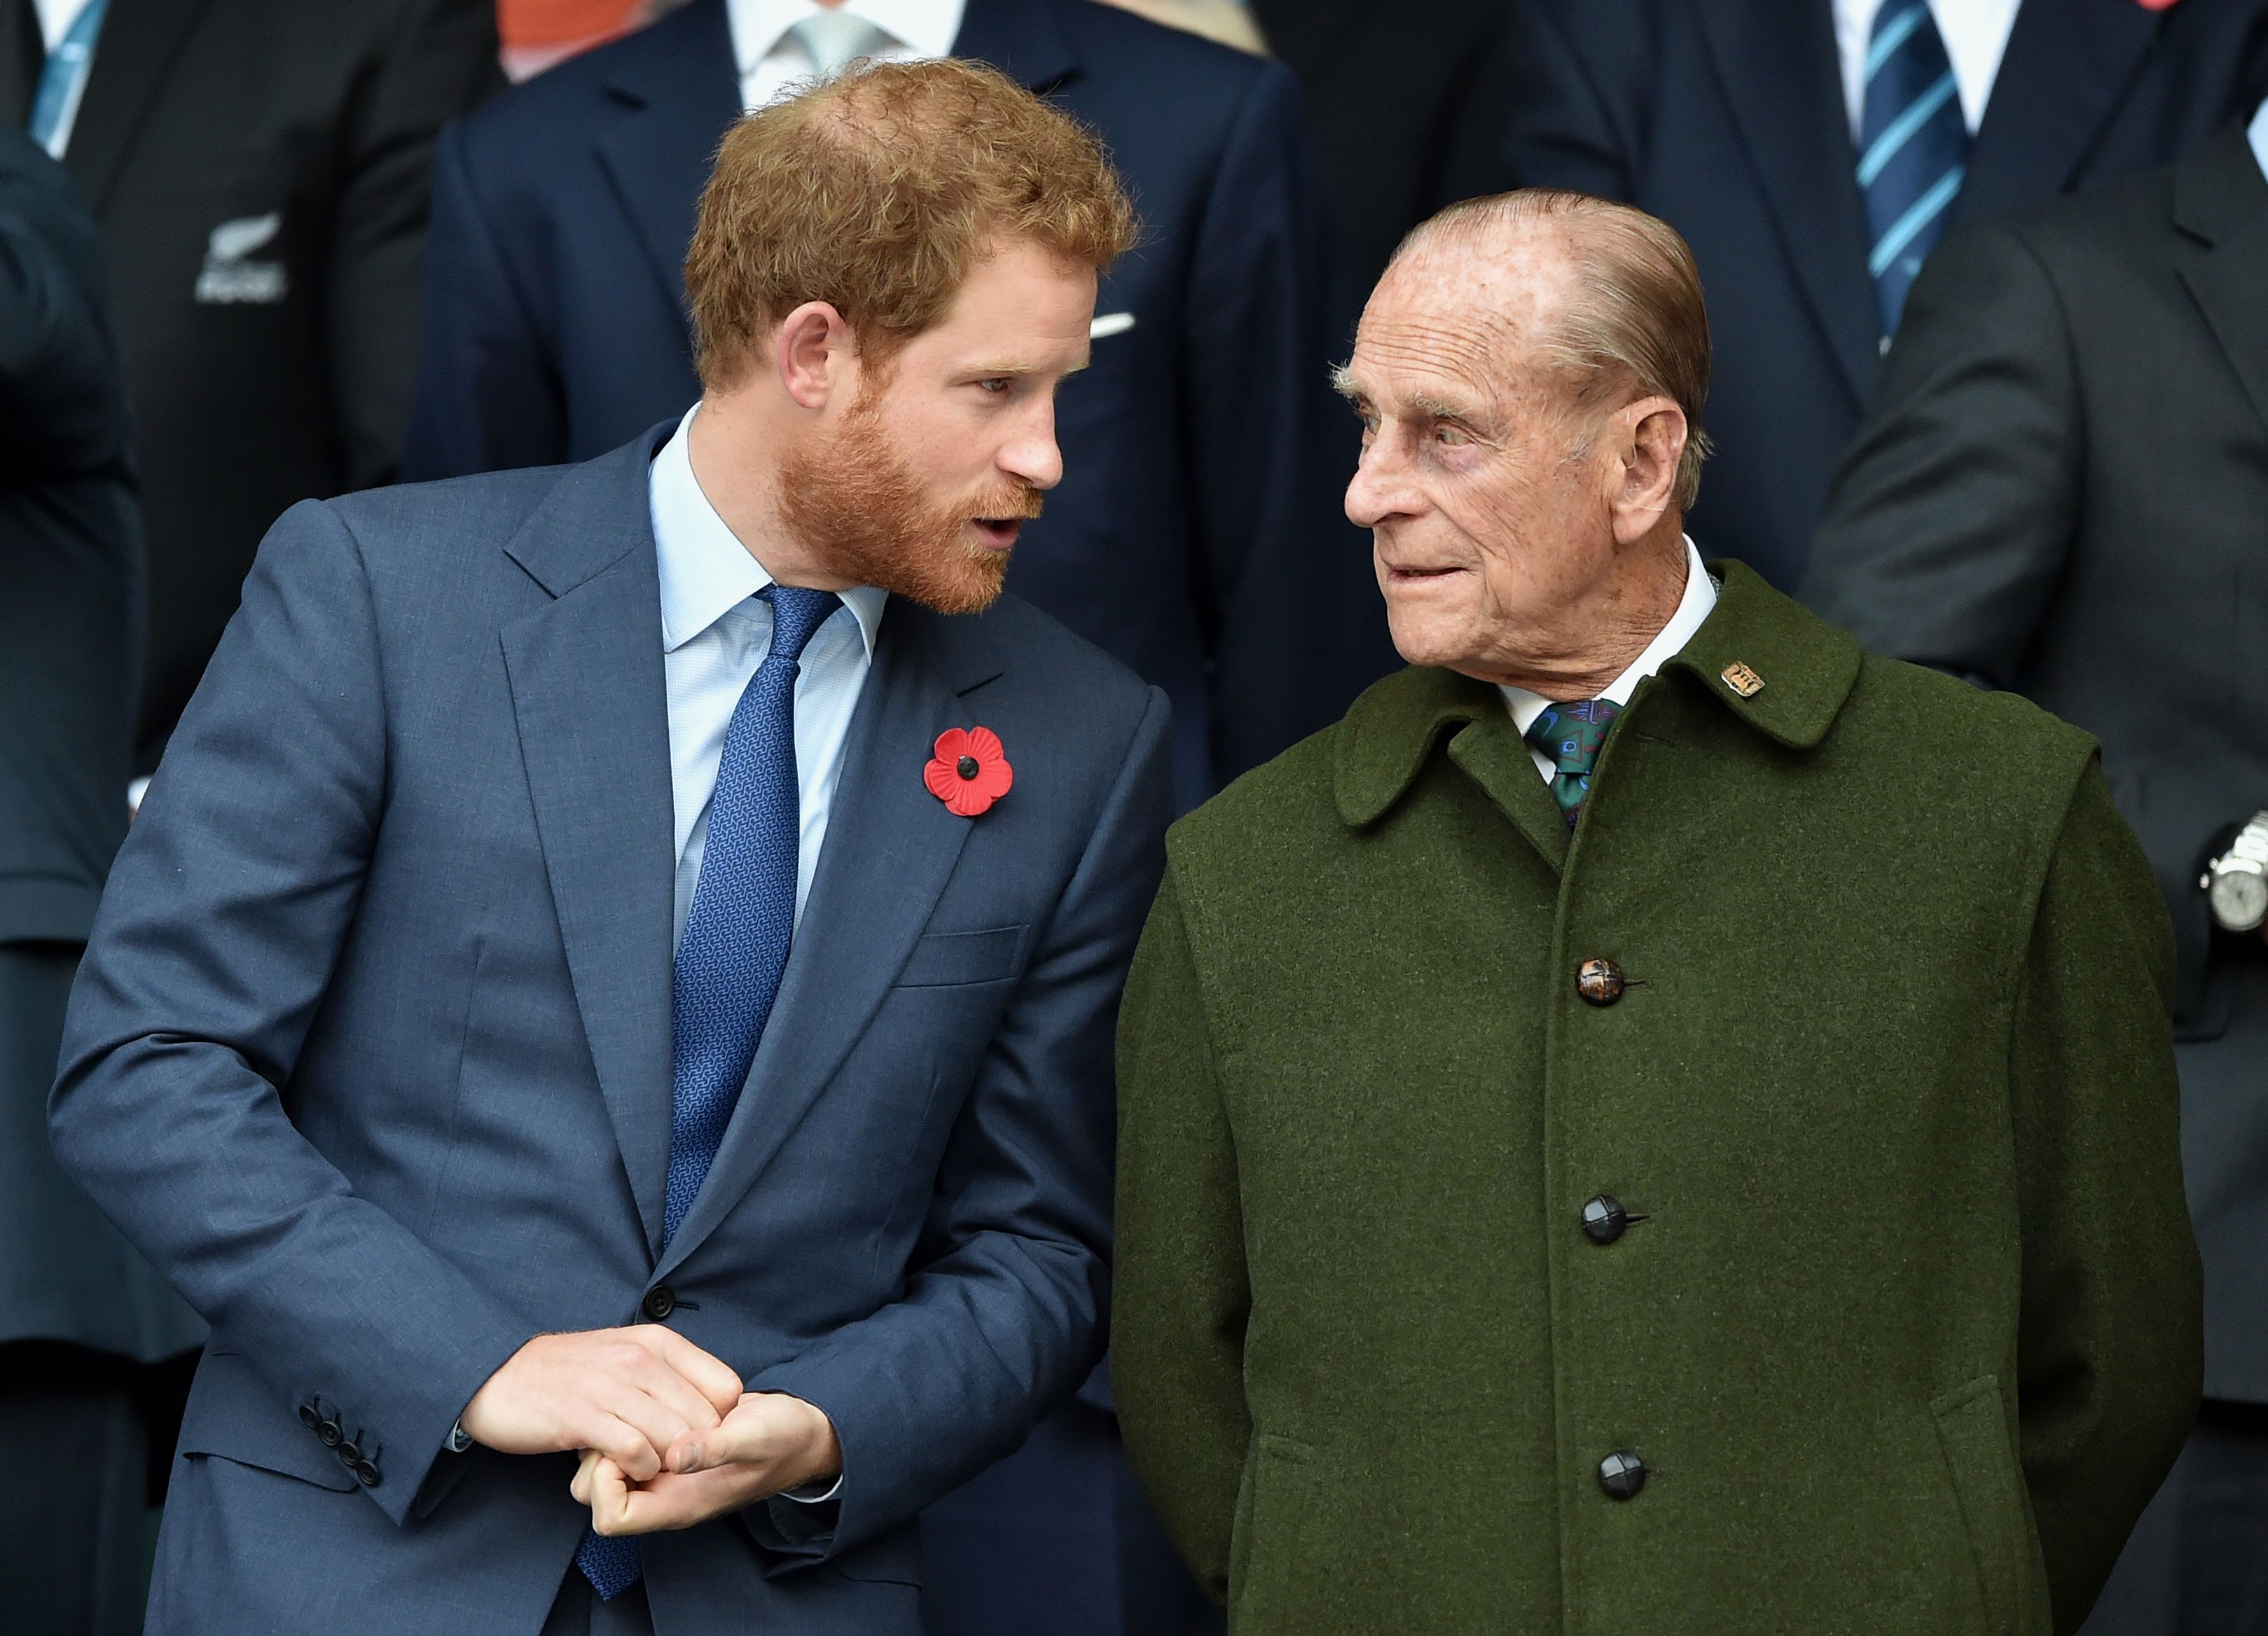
column 734, row 948
column 834, row 39
column 65, row 73
column 1913, row 149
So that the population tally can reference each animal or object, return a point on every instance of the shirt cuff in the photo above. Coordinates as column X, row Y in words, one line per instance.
column 813, row 1494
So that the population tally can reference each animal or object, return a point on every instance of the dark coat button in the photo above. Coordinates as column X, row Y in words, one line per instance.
column 1605, row 1219
column 350, row 1452
column 659, row 1302
column 1600, row 982
column 309, row 1417
column 1622, row 1474
column 330, row 1432
column 366, row 1473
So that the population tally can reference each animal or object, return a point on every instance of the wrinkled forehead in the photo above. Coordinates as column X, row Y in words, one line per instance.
column 1460, row 316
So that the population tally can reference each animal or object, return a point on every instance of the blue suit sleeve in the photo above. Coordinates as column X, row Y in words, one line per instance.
column 1007, row 1314
column 228, row 910
column 489, row 397
column 1576, row 87
column 1299, row 626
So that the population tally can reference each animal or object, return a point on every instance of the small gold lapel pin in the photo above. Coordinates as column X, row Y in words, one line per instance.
column 1743, row 681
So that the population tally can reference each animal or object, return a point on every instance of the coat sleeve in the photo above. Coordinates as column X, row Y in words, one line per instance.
column 1574, row 120
column 62, row 409
column 441, row 60
column 487, row 397
column 227, row 911
column 1183, row 1296
column 1950, row 519
column 1297, row 625
column 2111, row 1343
column 1006, row 1315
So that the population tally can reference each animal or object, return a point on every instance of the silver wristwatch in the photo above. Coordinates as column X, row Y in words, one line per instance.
column 2236, row 882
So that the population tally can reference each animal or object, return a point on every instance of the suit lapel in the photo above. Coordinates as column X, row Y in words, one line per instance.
column 680, row 87
column 2068, row 64
column 1782, row 80
column 1023, row 38
column 891, row 846
column 585, row 673
column 140, row 42
column 2220, row 201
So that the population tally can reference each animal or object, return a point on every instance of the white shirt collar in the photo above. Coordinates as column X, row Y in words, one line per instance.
column 926, row 27
column 2259, row 134
column 706, row 573
column 1693, row 607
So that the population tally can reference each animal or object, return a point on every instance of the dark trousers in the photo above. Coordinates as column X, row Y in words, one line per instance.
column 74, row 1553
column 2198, row 1562
column 1057, row 1540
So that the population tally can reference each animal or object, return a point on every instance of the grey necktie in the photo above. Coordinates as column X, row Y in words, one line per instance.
column 834, row 39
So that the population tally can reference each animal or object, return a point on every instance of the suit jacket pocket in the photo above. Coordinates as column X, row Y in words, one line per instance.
column 951, row 959
column 234, row 1414
column 1972, row 1430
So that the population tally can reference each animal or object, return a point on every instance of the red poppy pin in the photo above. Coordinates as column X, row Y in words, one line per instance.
column 970, row 771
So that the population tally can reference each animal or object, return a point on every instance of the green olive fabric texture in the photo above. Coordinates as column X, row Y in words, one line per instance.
column 1910, row 1331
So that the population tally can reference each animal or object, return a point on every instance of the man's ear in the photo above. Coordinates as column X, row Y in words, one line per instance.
column 814, row 354
column 1651, row 433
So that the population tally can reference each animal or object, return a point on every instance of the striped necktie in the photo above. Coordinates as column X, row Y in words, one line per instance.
column 63, row 81
column 1913, row 149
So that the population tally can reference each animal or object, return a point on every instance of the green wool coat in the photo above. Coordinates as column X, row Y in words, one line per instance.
column 1910, row 1331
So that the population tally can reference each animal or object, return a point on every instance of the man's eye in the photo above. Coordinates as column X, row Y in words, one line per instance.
column 996, row 385
column 1450, row 436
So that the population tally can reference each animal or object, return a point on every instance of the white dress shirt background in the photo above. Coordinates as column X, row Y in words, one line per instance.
column 715, row 631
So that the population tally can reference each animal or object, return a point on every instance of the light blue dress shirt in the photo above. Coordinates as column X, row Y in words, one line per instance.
column 2259, row 134
column 715, row 631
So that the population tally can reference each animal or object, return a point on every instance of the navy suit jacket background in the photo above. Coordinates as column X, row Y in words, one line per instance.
column 1197, row 535
column 1725, row 118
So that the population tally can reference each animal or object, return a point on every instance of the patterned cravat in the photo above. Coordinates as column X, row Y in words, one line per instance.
column 834, row 39
column 734, row 949
column 1913, row 148
column 1571, row 735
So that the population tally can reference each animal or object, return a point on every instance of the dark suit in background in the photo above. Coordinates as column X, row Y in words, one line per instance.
column 79, row 1310
column 1407, row 107
column 259, row 170
column 1726, row 119
column 2063, row 491
column 1197, row 535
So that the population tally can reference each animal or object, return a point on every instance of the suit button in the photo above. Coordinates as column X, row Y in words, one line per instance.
column 329, row 1432
column 1600, row 982
column 366, row 1473
column 1622, row 1474
column 659, row 1302
column 308, row 1418
column 1604, row 1219
column 349, row 1453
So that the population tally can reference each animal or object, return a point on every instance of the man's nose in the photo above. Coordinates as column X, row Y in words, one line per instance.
column 1378, row 488
column 1034, row 455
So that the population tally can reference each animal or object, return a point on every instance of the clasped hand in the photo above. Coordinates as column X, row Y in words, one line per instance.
column 667, row 1436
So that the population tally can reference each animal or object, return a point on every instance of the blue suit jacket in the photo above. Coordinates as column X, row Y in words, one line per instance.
column 1725, row 118
column 1198, row 535
column 371, row 1053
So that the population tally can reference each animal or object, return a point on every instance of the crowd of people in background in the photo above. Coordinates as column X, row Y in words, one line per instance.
column 1987, row 282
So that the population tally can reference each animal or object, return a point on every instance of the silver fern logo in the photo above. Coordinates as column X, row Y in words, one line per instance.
column 229, row 278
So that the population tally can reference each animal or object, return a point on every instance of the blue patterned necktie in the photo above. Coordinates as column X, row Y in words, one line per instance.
column 734, row 948
column 1913, row 149
column 63, row 79
column 1571, row 735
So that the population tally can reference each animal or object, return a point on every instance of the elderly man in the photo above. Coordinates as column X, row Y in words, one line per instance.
column 1658, row 1120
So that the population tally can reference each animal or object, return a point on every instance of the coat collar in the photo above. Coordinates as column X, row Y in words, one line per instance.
column 1806, row 668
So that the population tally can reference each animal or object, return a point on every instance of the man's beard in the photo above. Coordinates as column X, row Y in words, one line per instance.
column 854, row 503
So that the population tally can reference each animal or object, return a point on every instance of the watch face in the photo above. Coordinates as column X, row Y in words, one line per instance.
column 2240, row 899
